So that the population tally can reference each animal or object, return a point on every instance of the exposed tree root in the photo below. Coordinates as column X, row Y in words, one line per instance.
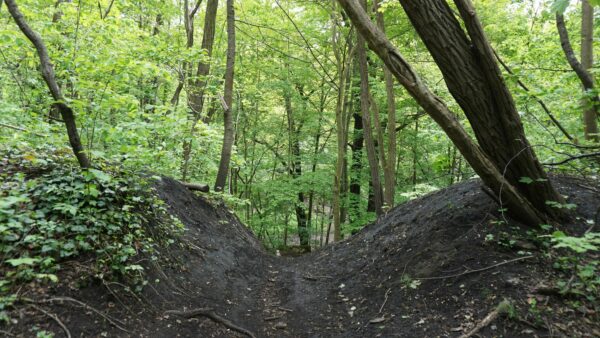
column 208, row 312
column 113, row 321
column 55, row 318
column 501, row 309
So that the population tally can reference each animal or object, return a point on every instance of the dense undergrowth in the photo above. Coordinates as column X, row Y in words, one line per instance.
column 51, row 213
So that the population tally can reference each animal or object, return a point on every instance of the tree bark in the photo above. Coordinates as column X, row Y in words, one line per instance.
column 590, row 113
column 520, row 207
column 49, row 77
column 229, row 132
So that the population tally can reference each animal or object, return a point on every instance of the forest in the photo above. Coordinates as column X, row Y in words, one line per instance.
column 299, row 168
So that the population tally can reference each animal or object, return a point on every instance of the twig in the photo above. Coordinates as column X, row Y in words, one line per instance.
column 385, row 299
column 207, row 312
column 272, row 318
column 114, row 322
column 315, row 278
column 20, row 129
column 501, row 309
column 572, row 158
column 469, row 271
column 55, row 317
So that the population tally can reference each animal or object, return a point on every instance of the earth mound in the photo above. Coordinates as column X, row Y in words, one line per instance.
column 433, row 267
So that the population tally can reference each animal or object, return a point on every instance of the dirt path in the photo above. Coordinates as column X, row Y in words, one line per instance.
column 399, row 277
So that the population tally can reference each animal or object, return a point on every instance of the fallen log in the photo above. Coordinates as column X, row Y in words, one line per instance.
column 196, row 187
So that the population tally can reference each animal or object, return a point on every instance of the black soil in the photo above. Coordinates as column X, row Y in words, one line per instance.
column 423, row 270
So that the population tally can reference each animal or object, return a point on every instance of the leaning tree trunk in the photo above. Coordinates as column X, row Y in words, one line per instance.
column 49, row 77
column 475, row 81
column 229, row 133
column 519, row 206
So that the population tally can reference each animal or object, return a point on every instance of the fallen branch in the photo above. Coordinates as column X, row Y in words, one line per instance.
column 20, row 129
column 196, row 187
column 207, row 312
column 469, row 271
column 385, row 299
column 55, row 318
column 114, row 322
column 502, row 309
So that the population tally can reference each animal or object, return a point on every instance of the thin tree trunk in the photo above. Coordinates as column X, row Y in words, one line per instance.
column 229, row 133
column 590, row 114
column 357, row 164
column 389, row 168
column 366, row 117
column 295, row 169
column 50, row 78
column 196, row 87
column 343, row 66
column 518, row 205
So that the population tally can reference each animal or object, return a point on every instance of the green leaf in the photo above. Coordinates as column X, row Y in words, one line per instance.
column 22, row 261
column 526, row 180
column 594, row 2
column 100, row 175
column 559, row 6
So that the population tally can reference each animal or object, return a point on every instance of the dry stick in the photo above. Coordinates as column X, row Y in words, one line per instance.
column 469, row 271
column 55, row 317
column 501, row 309
column 573, row 158
column 89, row 307
column 208, row 312
column 20, row 129
column 385, row 299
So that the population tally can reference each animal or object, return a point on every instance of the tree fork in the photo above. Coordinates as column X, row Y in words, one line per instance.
column 518, row 205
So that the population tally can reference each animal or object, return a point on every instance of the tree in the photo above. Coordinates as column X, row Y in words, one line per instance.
column 50, row 78
column 229, row 132
column 365, row 107
column 197, row 84
column 524, row 208
column 389, row 165
column 590, row 103
column 475, row 81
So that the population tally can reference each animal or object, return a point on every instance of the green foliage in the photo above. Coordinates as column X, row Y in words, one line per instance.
column 580, row 262
column 56, row 213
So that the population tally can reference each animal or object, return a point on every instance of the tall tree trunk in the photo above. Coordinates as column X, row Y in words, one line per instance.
column 389, row 172
column 363, row 70
column 197, row 85
column 229, row 133
column 356, row 167
column 295, row 169
column 590, row 114
column 343, row 67
column 50, row 78
column 519, row 206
